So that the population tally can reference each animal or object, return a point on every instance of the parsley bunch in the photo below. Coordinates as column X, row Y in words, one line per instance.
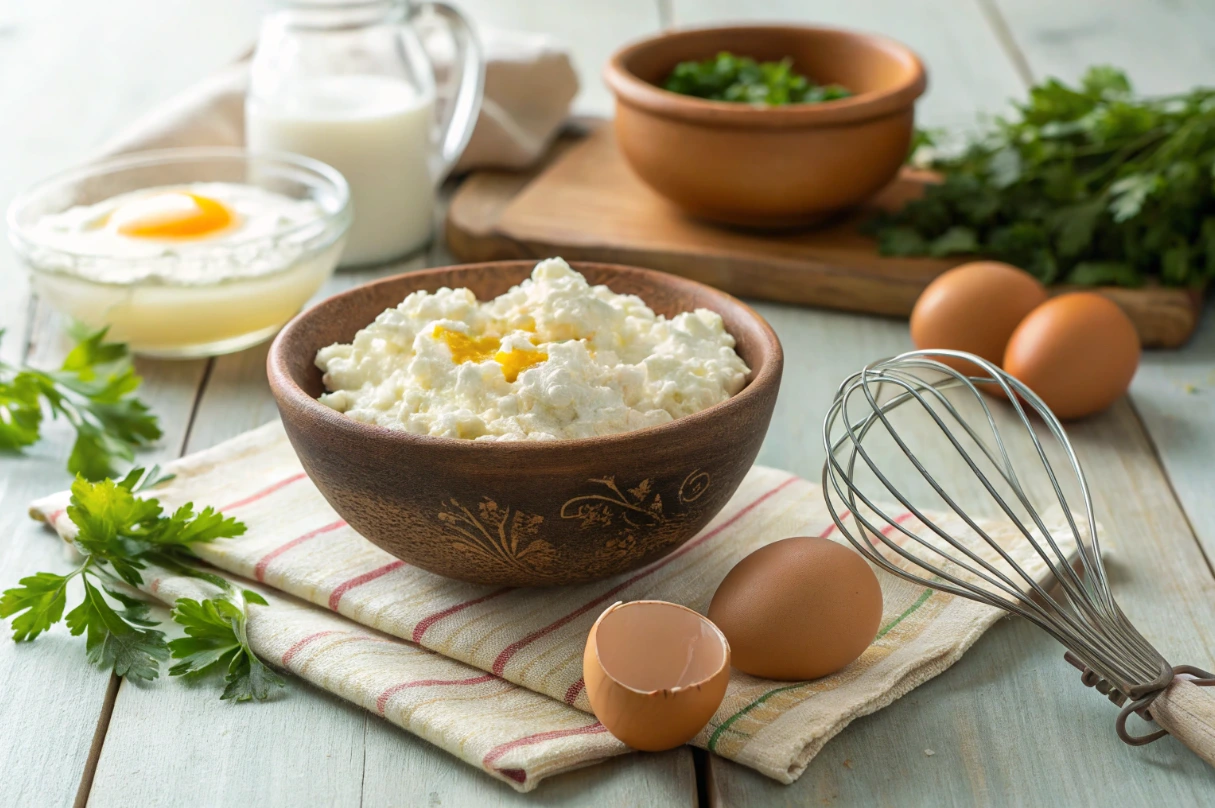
column 119, row 535
column 1088, row 185
column 727, row 77
column 93, row 391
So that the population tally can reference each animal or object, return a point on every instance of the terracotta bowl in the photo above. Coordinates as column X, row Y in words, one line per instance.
column 525, row 513
column 768, row 167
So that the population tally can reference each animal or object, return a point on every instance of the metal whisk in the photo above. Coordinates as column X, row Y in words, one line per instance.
column 902, row 433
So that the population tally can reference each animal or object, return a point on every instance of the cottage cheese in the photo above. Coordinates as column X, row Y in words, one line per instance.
column 553, row 358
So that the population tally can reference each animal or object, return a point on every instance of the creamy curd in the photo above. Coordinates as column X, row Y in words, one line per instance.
column 553, row 358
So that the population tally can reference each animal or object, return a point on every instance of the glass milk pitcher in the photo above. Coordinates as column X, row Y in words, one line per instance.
column 348, row 83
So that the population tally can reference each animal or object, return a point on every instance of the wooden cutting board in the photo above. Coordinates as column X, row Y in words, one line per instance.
column 585, row 204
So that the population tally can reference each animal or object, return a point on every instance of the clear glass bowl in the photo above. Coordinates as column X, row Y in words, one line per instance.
column 190, row 298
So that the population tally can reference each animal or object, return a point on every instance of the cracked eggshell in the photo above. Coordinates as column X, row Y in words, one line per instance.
column 655, row 672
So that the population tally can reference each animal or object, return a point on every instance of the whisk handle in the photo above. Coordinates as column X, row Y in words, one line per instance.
column 1187, row 711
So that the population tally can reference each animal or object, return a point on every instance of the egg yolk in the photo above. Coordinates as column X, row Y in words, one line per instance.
column 176, row 215
column 479, row 349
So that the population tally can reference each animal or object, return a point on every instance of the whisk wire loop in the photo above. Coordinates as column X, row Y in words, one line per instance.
column 1054, row 577
column 912, row 386
column 970, row 522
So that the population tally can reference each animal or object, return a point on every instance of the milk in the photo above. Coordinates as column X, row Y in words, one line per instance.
column 375, row 130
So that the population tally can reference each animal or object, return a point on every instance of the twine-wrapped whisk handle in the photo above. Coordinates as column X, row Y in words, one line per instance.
column 1180, row 709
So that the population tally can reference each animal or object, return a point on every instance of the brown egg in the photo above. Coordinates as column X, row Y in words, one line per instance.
column 655, row 672
column 798, row 608
column 974, row 308
column 1078, row 352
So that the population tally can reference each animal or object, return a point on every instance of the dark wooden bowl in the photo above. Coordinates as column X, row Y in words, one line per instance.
column 525, row 513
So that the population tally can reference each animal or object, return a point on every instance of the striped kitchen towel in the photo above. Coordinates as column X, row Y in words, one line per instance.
column 494, row 675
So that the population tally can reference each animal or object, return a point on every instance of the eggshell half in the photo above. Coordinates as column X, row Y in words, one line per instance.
column 798, row 609
column 974, row 308
column 655, row 672
column 1078, row 352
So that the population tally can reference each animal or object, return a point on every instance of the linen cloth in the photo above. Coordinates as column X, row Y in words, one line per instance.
column 494, row 675
column 529, row 85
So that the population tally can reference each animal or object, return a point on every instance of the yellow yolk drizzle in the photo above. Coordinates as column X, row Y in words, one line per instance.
column 479, row 349
column 204, row 217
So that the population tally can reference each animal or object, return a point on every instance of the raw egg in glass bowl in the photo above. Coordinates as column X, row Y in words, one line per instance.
column 184, row 252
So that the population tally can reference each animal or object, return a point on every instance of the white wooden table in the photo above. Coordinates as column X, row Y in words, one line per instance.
column 1010, row 724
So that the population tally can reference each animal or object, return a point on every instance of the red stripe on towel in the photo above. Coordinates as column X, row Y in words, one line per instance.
column 259, row 571
column 290, row 653
column 335, row 597
column 898, row 520
column 571, row 695
column 265, row 492
column 430, row 620
column 540, row 737
column 382, row 701
column 831, row 527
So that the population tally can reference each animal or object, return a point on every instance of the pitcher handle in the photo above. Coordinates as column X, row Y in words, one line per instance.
column 462, row 117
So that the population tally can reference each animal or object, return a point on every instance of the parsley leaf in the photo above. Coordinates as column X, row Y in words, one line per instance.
column 94, row 391
column 185, row 527
column 902, row 241
column 217, row 641
column 727, row 77
column 112, row 641
column 1087, row 183
column 1103, row 273
column 42, row 597
column 20, row 411
column 953, row 241
column 119, row 534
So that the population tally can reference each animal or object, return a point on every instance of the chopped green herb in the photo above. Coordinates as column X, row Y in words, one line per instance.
column 1086, row 184
column 727, row 77
column 94, row 391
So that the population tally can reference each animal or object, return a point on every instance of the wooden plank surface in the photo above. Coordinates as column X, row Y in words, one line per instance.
column 1010, row 724
column 52, row 698
column 586, row 204
column 402, row 770
column 1164, row 45
column 1174, row 394
column 52, row 118
column 590, row 30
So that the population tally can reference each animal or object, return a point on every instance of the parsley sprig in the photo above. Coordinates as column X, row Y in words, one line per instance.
column 119, row 534
column 217, row 641
column 1086, row 184
column 94, row 391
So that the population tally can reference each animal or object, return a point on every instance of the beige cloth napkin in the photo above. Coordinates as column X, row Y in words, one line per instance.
column 494, row 675
column 529, row 86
